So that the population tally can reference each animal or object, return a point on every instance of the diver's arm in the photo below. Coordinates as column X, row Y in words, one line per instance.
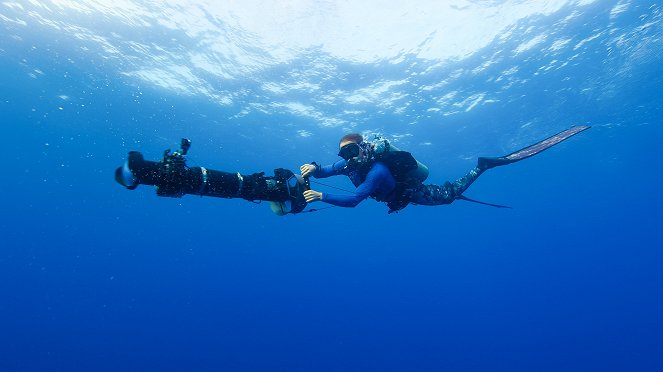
column 374, row 178
column 320, row 171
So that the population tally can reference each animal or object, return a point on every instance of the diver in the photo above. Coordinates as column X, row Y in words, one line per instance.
column 378, row 169
column 381, row 171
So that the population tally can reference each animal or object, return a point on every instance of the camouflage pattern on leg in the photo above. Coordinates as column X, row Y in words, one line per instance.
column 445, row 194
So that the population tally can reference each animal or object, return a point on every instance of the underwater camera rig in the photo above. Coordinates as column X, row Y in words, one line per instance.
column 173, row 178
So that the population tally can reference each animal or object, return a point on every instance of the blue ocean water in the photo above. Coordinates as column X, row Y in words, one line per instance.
column 95, row 277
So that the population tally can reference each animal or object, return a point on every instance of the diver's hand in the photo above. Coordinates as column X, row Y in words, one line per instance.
column 308, row 170
column 312, row 195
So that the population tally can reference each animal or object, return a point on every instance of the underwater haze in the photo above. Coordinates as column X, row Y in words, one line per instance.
column 95, row 277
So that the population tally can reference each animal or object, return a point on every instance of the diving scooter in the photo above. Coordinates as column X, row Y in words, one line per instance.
column 173, row 178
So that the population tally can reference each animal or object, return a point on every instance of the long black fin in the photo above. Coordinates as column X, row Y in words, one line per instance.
column 526, row 152
column 461, row 197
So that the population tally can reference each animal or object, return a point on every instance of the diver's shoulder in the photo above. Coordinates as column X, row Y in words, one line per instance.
column 380, row 166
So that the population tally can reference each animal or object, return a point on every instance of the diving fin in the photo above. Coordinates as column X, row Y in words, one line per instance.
column 461, row 197
column 485, row 163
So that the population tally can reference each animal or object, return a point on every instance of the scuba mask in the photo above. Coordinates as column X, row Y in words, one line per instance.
column 349, row 151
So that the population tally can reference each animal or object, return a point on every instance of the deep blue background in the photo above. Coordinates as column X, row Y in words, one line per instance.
column 94, row 277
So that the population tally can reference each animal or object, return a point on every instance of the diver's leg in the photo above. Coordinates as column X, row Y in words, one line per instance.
column 445, row 194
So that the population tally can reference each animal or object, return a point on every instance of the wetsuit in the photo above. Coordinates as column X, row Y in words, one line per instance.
column 380, row 184
column 445, row 194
